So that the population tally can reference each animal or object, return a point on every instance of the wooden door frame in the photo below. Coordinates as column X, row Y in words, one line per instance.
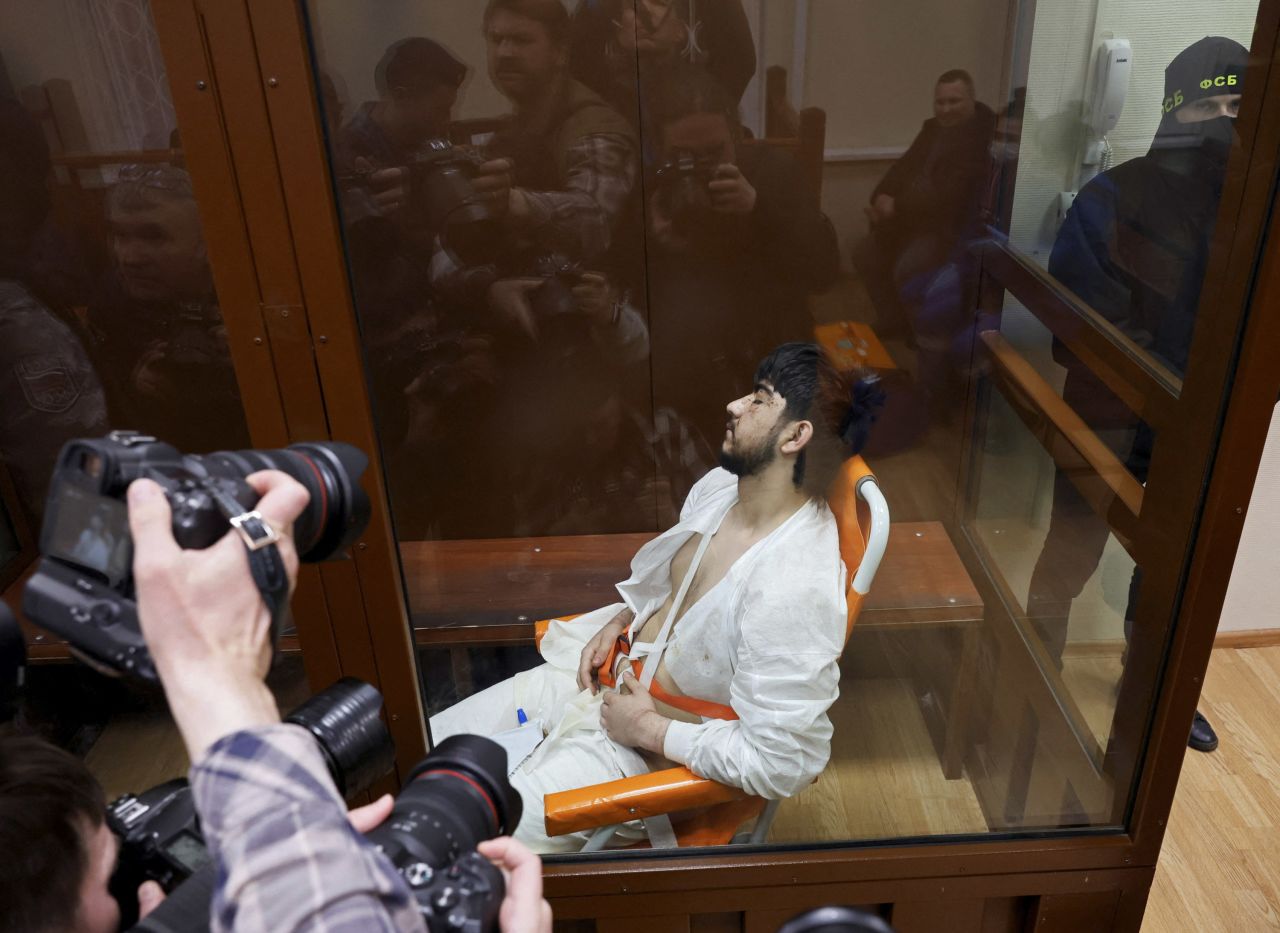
column 279, row 342
column 618, row 883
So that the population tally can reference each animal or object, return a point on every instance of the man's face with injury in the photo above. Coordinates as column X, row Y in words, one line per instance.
column 751, row 432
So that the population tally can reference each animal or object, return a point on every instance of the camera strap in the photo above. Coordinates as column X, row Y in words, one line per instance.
column 265, row 563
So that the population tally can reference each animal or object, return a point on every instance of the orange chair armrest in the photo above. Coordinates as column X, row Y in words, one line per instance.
column 633, row 798
column 540, row 627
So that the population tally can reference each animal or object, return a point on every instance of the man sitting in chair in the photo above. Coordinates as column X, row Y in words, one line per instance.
column 722, row 655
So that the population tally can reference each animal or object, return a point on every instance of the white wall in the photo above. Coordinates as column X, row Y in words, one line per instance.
column 871, row 66
column 1253, row 596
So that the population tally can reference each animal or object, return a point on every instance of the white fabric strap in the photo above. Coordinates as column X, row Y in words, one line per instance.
column 662, row 835
column 660, row 643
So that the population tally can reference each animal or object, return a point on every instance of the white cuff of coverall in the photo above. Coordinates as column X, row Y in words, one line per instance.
column 681, row 737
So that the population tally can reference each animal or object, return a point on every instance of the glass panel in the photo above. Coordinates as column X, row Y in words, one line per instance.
column 110, row 309
column 109, row 318
column 1123, row 146
column 1065, row 574
column 574, row 230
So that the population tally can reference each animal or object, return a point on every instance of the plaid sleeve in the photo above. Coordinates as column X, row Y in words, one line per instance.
column 287, row 859
column 601, row 172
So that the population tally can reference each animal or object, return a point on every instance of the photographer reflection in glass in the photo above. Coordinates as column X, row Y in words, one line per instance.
column 50, row 390
column 378, row 155
column 736, row 246
column 544, row 288
column 384, row 159
column 417, row 81
column 1134, row 247
column 208, row 631
column 724, row 648
column 560, row 175
column 572, row 159
column 156, row 331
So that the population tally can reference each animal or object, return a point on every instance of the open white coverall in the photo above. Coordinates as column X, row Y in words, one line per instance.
column 765, row 640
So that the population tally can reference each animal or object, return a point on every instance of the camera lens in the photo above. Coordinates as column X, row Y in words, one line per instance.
column 345, row 721
column 457, row 797
column 338, row 512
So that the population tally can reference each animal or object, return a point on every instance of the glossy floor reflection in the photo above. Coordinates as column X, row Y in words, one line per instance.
column 884, row 778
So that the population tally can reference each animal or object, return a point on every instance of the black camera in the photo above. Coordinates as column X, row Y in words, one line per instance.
column 684, row 194
column 83, row 588
column 457, row 797
column 835, row 920
column 440, row 185
column 441, row 193
column 554, row 297
column 159, row 831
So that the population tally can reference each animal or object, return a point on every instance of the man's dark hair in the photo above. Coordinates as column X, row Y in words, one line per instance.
column 49, row 802
column 841, row 404
column 686, row 90
column 550, row 13
column 954, row 75
column 417, row 64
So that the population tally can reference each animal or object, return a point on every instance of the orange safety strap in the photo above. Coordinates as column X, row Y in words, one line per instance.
column 685, row 703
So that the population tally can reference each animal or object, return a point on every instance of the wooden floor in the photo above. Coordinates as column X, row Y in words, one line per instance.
column 1219, row 868
column 884, row 779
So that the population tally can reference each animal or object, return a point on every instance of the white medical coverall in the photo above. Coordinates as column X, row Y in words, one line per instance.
column 765, row 640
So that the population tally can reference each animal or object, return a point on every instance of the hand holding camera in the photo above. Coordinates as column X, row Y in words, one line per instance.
column 730, row 191
column 695, row 198
column 84, row 589
column 201, row 614
column 495, row 182
column 388, row 187
column 213, row 560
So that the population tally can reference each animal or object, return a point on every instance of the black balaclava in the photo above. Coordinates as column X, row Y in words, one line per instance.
column 1212, row 66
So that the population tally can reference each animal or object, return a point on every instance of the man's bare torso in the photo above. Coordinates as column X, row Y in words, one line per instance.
column 728, row 544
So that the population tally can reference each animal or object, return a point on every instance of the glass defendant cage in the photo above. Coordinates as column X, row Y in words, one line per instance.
column 1060, row 279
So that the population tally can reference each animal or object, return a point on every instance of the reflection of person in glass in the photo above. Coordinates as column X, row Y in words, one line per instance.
column 159, row 340
column 417, row 81
column 541, row 288
column 572, row 158
column 49, row 392
column 913, row 263
column 620, row 46
column 1134, row 247
column 746, row 593
column 735, row 248
column 94, row 546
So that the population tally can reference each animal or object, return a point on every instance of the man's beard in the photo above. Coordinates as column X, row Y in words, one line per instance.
column 744, row 463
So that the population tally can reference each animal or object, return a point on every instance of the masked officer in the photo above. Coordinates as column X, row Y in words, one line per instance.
column 1135, row 247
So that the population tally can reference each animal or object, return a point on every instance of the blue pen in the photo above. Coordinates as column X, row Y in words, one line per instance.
column 521, row 718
